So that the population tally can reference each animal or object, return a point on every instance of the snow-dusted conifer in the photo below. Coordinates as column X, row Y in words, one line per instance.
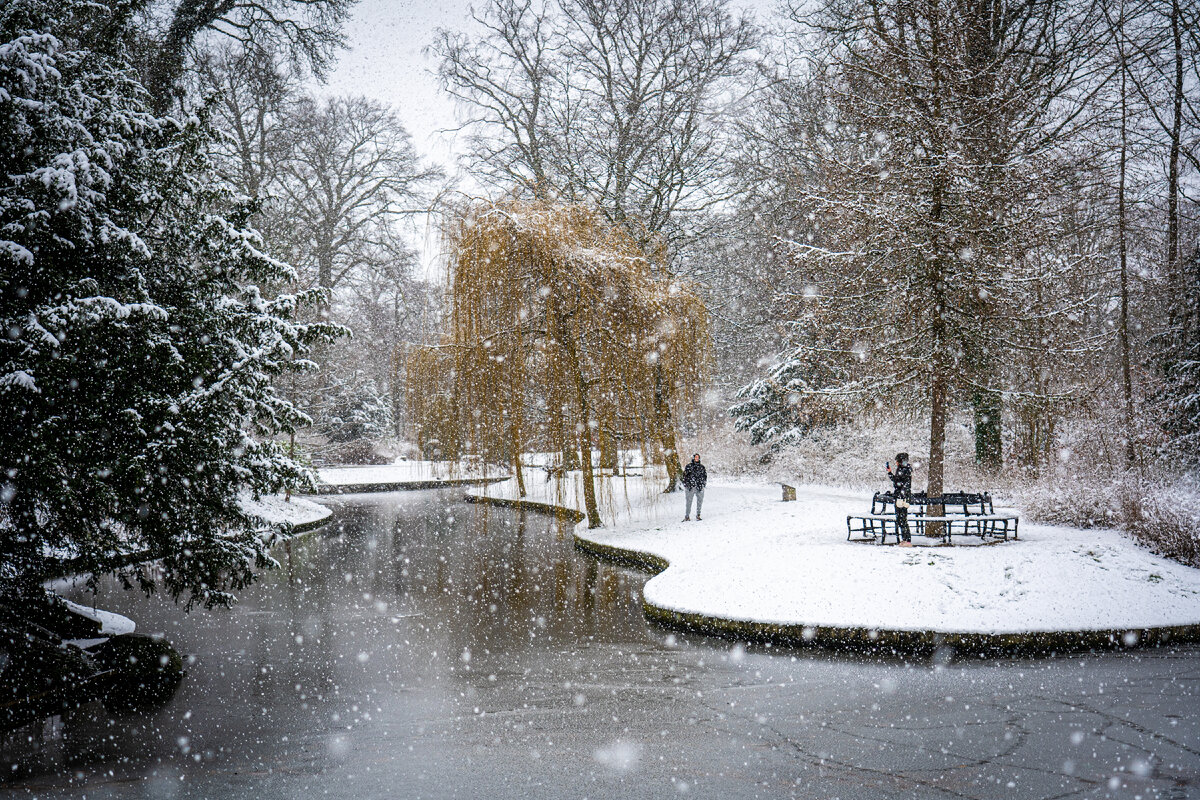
column 140, row 336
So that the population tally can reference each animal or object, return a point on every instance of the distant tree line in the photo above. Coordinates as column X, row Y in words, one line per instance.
column 337, row 185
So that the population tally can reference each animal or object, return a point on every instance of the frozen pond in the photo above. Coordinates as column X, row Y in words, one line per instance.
column 426, row 648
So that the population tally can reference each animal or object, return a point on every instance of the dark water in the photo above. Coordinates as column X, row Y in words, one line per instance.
column 426, row 648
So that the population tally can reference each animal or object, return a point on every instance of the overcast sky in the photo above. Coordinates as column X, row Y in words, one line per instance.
column 386, row 60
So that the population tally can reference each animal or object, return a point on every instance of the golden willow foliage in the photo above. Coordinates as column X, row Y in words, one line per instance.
column 561, row 338
column 430, row 402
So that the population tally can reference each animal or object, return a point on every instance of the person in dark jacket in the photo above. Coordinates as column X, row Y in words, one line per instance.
column 695, row 477
column 902, row 492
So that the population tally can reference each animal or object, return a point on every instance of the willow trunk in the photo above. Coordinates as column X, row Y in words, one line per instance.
column 666, row 429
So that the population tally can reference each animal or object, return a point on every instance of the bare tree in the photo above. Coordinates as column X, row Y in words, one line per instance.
column 1161, row 44
column 507, row 78
column 253, row 92
column 646, row 149
column 610, row 103
column 914, row 214
column 392, row 311
column 350, row 174
column 306, row 31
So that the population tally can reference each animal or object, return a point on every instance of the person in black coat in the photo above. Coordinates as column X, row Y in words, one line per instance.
column 902, row 492
column 695, row 477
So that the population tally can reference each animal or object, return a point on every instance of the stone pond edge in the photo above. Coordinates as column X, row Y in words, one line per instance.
column 899, row 642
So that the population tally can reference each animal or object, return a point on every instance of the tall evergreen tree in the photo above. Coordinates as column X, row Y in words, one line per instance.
column 141, row 337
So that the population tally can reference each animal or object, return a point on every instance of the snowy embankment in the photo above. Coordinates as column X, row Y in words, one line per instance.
column 302, row 513
column 757, row 564
column 400, row 475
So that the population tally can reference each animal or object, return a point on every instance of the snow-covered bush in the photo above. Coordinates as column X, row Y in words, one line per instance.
column 348, row 405
column 1164, row 515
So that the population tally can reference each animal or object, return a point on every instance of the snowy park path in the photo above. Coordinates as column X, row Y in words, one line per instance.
column 758, row 566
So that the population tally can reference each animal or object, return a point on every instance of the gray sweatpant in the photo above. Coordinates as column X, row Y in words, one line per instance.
column 689, row 493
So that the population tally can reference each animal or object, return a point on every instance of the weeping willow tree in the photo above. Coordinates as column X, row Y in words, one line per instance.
column 561, row 336
column 430, row 401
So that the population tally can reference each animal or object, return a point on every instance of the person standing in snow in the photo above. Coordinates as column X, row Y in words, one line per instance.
column 695, row 477
column 902, row 492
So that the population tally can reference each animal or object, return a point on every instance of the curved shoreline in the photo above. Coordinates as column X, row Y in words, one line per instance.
column 325, row 489
column 310, row 526
column 854, row 638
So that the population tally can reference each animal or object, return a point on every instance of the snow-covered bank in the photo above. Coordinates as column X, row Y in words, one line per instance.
column 302, row 513
column 111, row 623
column 401, row 475
column 757, row 560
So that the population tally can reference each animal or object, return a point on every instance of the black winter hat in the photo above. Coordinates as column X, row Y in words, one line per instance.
column 901, row 458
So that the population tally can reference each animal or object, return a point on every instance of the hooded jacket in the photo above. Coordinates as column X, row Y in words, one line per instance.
column 902, row 482
column 695, row 476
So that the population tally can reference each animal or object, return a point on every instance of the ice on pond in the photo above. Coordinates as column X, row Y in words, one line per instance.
column 619, row 755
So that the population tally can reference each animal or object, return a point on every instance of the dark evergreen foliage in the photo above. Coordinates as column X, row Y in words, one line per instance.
column 140, row 338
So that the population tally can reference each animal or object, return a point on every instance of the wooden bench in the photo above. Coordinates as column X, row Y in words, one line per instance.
column 977, row 518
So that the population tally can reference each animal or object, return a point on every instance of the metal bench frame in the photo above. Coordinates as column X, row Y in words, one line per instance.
column 977, row 518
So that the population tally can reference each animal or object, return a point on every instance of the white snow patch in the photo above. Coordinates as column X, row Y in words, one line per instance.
column 754, row 558
column 276, row 509
column 400, row 473
column 111, row 623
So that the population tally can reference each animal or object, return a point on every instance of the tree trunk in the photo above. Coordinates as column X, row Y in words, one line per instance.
column 939, row 402
column 570, row 453
column 518, row 470
column 666, row 429
column 1175, row 270
column 589, row 482
column 1123, row 255
column 585, row 435
column 942, row 253
column 608, row 451
column 395, row 391
column 988, row 408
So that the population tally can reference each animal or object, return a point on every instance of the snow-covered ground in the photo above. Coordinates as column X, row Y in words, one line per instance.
column 404, row 471
column 299, row 511
column 400, row 473
column 756, row 559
